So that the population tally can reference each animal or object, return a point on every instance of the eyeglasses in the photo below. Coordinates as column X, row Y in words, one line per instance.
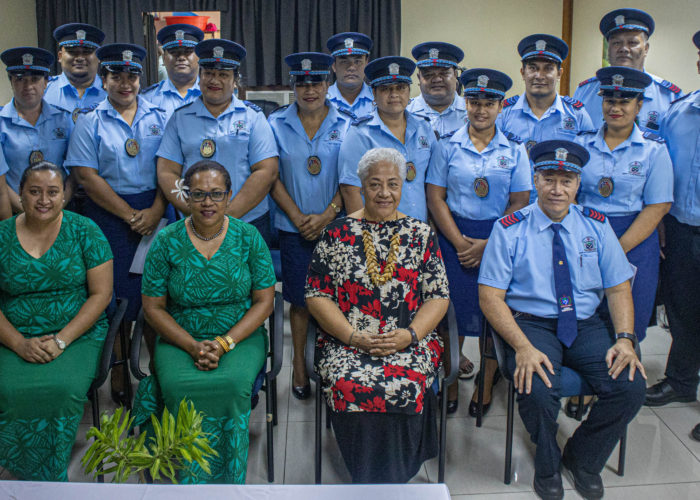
column 216, row 196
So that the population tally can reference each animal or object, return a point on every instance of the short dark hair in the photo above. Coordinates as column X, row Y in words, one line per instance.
column 204, row 166
column 524, row 63
column 41, row 166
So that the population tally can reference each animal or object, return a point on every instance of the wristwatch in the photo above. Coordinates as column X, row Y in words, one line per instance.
column 230, row 342
column 336, row 208
column 629, row 336
column 414, row 337
column 60, row 343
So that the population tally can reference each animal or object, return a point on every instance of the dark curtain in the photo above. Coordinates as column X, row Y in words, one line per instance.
column 268, row 29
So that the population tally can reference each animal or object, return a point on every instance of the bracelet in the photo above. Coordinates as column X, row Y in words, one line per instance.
column 350, row 339
column 222, row 343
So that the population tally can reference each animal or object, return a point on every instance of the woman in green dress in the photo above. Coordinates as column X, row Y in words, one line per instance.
column 208, row 286
column 55, row 283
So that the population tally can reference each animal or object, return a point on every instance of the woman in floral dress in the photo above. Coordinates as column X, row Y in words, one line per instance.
column 377, row 287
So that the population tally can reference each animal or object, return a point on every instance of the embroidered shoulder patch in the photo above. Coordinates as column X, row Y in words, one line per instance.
column 510, row 101
column 253, row 106
column 593, row 214
column 671, row 86
column 575, row 103
column 512, row 219
column 586, row 82
column 512, row 137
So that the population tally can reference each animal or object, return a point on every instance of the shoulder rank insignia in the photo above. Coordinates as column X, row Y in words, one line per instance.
column 253, row 106
column 586, row 82
column 89, row 108
column 653, row 137
column 361, row 120
column 575, row 103
column 150, row 87
column 512, row 219
column 512, row 137
column 671, row 86
column 278, row 109
column 682, row 97
column 593, row 214
column 447, row 135
column 510, row 101
column 347, row 112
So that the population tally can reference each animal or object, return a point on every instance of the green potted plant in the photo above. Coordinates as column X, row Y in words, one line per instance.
column 171, row 447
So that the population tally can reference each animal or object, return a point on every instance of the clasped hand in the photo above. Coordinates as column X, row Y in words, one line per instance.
column 39, row 349
column 470, row 251
column 310, row 226
column 144, row 221
column 206, row 355
column 382, row 344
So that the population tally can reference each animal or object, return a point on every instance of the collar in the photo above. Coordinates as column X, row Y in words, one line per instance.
column 144, row 107
column 598, row 140
column 524, row 105
column 9, row 111
column 199, row 109
column 462, row 137
column 456, row 104
column 543, row 222
column 291, row 117
column 169, row 86
column 696, row 102
column 365, row 94
column 64, row 82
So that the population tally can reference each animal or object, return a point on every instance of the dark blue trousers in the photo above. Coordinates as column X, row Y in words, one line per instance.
column 679, row 281
column 618, row 400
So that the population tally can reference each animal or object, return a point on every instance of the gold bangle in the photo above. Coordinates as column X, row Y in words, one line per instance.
column 222, row 343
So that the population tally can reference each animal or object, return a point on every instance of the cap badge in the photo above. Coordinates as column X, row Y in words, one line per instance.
column 618, row 80
column 433, row 53
column 619, row 20
column 27, row 59
column 218, row 52
column 540, row 45
column 80, row 35
column 306, row 64
column 180, row 35
column 561, row 154
column 393, row 69
column 127, row 56
column 349, row 43
column 482, row 81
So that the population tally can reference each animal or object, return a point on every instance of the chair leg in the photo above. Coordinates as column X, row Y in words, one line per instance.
column 317, row 455
column 622, row 453
column 480, row 378
column 579, row 410
column 509, row 433
column 328, row 415
column 96, row 421
column 269, row 405
column 443, row 435
column 125, row 363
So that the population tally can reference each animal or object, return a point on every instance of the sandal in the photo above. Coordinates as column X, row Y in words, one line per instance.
column 466, row 368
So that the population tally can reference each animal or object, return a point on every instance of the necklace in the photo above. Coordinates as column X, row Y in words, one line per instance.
column 371, row 256
column 204, row 238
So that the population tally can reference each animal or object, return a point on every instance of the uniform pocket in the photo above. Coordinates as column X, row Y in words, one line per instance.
column 589, row 277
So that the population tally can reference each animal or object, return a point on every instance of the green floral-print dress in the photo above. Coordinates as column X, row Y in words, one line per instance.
column 207, row 298
column 41, row 405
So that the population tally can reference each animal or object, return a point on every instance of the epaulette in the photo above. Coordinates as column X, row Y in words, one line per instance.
column 653, row 137
column 512, row 219
column 448, row 134
column 593, row 214
column 575, row 103
column 682, row 97
column 361, row 120
column 512, row 137
column 587, row 132
column 590, row 80
column 510, row 101
column 88, row 109
column 670, row 86
column 347, row 112
column 253, row 106
column 279, row 108
column 150, row 87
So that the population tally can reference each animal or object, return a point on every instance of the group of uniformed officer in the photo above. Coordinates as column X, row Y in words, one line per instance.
column 627, row 147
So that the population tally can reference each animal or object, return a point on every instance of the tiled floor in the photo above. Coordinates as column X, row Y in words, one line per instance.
column 662, row 460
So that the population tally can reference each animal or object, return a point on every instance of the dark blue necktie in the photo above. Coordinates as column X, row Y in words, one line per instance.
column 566, row 325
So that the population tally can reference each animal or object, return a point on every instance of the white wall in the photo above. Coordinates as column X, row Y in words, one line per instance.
column 17, row 28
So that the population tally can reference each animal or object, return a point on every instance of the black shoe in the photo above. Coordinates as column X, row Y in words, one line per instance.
column 589, row 486
column 549, row 488
column 119, row 397
column 571, row 409
column 301, row 391
column 695, row 433
column 662, row 393
column 452, row 406
column 474, row 405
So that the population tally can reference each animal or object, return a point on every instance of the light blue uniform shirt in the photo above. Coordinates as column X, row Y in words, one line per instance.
column 681, row 129
column 449, row 120
column 18, row 138
column 657, row 98
column 362, row 105
column 99, row 138
column 504, row 164
column 518, row 259
column 3, row 163
column 420, row 145
column 165, row 95
column 563, row 120
column 242, row 136
column 61, row 93
column 640, row 168
column 311, row 193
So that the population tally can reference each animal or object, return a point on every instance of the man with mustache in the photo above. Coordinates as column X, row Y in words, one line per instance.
column 351, row 54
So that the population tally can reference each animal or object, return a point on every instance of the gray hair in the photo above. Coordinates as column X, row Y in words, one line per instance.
column 378, row 155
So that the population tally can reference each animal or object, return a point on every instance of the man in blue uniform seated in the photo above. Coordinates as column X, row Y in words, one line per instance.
column 681, row 129
column 439, row 101
column 182, row 64
column 627, row 32
column 544, row 272
column 350, row 53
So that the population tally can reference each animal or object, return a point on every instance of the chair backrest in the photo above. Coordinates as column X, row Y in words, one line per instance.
column 310, row 348
column 115, row 316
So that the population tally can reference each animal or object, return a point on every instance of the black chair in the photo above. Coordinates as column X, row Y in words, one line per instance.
column 115, row 317
column 571, row 385
column 268, row 373
column 450, row 368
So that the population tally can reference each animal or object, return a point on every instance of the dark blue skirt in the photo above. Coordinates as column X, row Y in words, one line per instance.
column 124, row 242
column 295, row 253
column 464, row 287
column 645, row 257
